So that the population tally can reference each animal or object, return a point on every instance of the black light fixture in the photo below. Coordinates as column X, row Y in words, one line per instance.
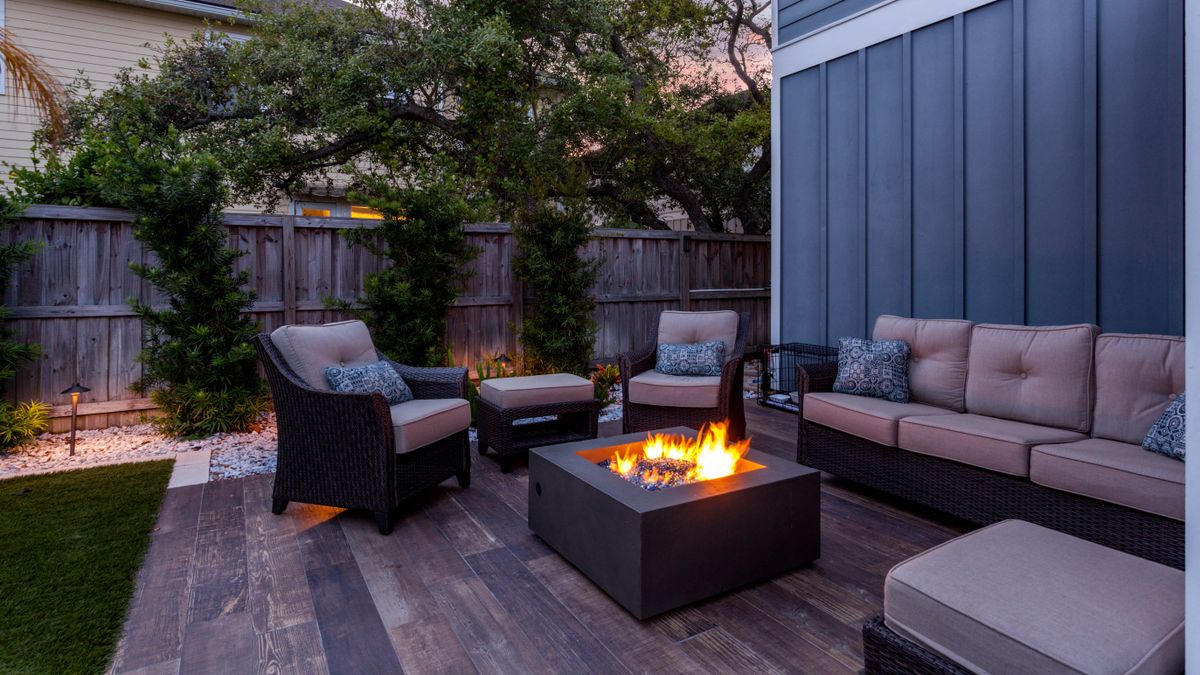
column 74, row 390
column 504, row 361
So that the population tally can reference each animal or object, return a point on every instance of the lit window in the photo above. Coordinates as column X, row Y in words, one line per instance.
column 365, row 212
column 306, row 211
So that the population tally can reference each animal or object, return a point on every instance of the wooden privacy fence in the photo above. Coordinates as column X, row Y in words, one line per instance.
column 71, row 298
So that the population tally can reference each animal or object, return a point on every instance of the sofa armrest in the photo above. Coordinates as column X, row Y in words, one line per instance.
column 427, row 383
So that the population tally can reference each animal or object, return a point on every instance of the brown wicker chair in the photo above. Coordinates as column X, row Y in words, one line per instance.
column 730, row 404
column 339, row 449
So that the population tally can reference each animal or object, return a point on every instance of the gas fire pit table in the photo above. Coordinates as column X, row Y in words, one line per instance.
column 656, row 549
column 567, row 401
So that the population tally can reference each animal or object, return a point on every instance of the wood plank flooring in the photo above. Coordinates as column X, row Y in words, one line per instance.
column 462, row 586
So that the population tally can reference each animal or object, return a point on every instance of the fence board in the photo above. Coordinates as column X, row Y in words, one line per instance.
column 71, row 298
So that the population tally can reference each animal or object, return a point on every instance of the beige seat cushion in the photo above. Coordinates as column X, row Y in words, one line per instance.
column 1019, row 598
column 419, row 422
column 937, row 369
column 871, row 418
column 1116, row 472
column 1040, row 375
column 676, row 327
column 518, row 392
column 978, row 440
column 1137, row 377
column 677, row 391
column 309, row 350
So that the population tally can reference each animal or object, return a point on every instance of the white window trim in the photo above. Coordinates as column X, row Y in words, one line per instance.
column 3, row 65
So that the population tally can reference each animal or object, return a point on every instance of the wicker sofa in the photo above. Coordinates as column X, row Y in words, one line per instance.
column 354, row 450
column 1041, row 424
column 652, row 400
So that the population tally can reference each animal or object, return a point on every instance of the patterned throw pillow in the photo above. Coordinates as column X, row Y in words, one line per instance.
column 875, row 368
column 372, row 377
column 696, row 359
column 1166, row 436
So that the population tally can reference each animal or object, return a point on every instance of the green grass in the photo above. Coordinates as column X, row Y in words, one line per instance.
column 70, row 547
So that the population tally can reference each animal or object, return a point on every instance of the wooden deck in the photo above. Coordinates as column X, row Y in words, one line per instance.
column 463, row 586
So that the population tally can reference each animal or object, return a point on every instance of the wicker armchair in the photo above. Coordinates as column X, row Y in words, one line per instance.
column 650, row 412
column 340, row 449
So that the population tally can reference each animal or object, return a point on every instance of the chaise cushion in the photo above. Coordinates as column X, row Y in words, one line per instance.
column 1116, row 472
column 1040, row 375
column 937, row 369
column 1018, row 598
column 1137, row 377
column 519, row 392
column 874, row 419
column 309, row 350
column 676, row 327
column 676, row 391
column 987, row 442
column 420, row 422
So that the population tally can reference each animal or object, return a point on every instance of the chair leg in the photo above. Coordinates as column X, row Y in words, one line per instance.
column 506, row 463
column 384, row 520
column 278, row 505
column 464, row 478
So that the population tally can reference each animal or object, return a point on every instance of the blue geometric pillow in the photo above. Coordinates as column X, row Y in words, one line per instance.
column 370, row 378
column 875, row 368
column 696, row 359
column 1166, row 436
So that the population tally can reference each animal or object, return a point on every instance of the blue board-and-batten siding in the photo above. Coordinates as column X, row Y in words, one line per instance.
column 799, row 17
column 1018, row 163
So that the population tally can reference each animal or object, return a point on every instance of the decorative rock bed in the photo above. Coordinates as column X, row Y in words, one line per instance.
column 232, row 455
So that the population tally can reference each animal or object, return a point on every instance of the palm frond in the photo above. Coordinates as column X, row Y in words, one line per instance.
column 32, row 77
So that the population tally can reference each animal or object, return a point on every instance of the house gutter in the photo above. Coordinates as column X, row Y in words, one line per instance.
column 194, row 8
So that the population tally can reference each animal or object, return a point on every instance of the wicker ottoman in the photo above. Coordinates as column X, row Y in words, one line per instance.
column 1016, row 597
column 570, row 401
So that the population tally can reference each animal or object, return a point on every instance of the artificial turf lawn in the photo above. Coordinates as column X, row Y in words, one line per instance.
column 70, row 547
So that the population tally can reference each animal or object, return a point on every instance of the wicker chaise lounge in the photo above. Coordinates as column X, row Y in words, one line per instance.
column 652, row 400
column 354, row 450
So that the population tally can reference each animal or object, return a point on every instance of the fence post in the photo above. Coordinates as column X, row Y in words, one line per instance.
column 288, row 244
column 516, row 293
column 685, row 271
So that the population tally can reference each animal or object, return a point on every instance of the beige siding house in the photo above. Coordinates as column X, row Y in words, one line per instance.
column 95, row 37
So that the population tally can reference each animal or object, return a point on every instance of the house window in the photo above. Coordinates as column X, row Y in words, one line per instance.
column 315, row 211
column 365, row 212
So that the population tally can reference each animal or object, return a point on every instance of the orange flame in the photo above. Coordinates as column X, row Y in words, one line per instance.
column 709, row 455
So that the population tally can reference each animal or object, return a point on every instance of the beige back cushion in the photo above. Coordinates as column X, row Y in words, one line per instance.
column 937, row 369
column 1040, row 375
column 309, row 350
column 1137, row 377
column 690, row 327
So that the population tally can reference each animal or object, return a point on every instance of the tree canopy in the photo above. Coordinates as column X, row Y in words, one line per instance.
column 635, row 105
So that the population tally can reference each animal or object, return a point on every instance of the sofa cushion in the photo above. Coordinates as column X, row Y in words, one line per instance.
column 519, row 392
column 1040, row 375
column 1116, row 472
column 677, row 391
column 379, row 376
column 873, row 368
column 1167, row 436
column 874, row 419
column 696, row 359
column 937, row 369
column 675, row 327
column 987, row 442
column 309, row 350
column 1137, row 376
column 422, row 421
column 1018, row 598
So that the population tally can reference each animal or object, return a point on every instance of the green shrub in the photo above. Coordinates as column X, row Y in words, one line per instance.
column 422, row 239
column 200, row 366
column 559, row 330
column 21, row 422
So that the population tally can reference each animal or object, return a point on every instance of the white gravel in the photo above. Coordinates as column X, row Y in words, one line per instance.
column 232, row 455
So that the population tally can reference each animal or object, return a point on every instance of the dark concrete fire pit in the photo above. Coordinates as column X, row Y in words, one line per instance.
column 653, row 551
